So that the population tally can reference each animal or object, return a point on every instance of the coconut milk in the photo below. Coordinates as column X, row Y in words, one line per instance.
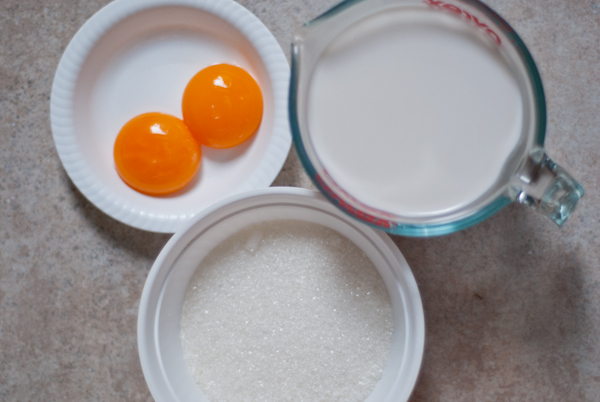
column 414, row 111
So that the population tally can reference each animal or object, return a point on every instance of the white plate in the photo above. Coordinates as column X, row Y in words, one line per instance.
column 159, row 316
column 137, row 56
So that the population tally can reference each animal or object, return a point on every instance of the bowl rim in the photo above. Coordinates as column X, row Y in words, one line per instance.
column 64, row 89
column 161, row 271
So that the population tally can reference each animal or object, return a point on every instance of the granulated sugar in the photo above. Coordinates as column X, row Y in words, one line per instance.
column 286, row 311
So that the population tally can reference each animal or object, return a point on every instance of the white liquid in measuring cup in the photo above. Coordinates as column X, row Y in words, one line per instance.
column 414, row 112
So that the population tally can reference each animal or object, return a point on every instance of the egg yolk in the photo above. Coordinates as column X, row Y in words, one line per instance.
column 156, row 154
column 222, row 106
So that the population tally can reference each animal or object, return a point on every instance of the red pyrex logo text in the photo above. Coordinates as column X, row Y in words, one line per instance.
column 459, row 11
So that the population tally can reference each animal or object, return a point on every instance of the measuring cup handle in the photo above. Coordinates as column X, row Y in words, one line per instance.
column 548, row 188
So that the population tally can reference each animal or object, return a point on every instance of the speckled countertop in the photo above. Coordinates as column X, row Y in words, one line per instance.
column 512, row 305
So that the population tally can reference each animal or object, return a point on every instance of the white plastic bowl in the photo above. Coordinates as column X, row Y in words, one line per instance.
column 159, row 318
column 137, row 56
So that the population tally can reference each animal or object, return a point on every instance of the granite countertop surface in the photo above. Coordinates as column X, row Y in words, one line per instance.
column 512, row 305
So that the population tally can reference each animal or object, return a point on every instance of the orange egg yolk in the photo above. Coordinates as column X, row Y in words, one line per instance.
column 156, row 154
column 222, row 106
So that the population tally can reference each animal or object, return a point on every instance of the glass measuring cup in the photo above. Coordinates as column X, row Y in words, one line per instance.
column 377, row 177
